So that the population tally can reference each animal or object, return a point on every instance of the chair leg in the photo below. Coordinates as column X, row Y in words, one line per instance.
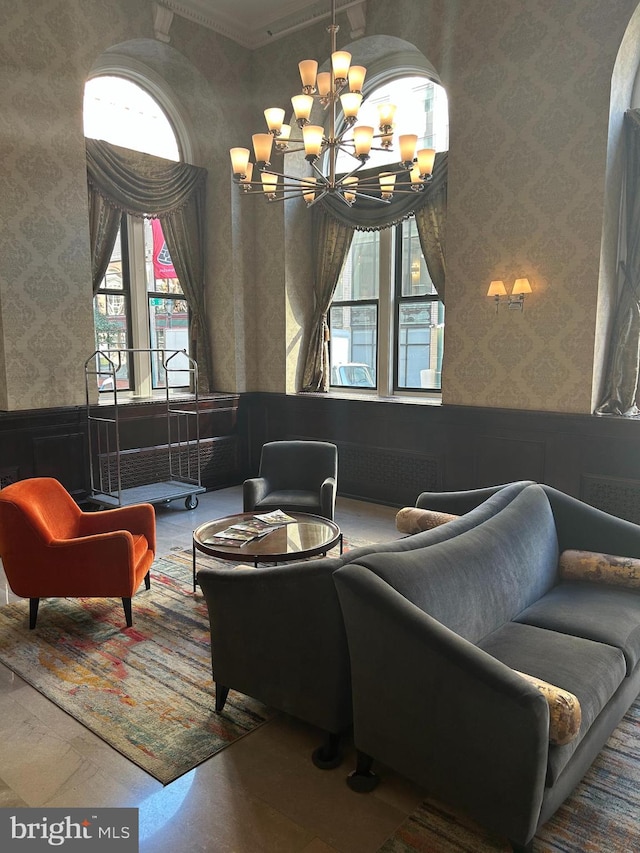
column 147, row 580
column 522, row 848
column 33, row 611
column 221, row 697
column 329, row 755
column 126, row 603
column 362, row 779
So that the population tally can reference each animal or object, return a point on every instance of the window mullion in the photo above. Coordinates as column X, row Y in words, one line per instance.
column 139, row 309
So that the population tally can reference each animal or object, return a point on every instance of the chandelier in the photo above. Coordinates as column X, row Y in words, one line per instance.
column 341, row 85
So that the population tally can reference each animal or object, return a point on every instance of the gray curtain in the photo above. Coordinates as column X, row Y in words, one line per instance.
column 123, row 181
column 333, row 226
column 104, row 221
column 332, row 240
column 430, row 222
column 621, row 382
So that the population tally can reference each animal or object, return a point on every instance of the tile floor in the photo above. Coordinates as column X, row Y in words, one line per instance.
column 260, row 794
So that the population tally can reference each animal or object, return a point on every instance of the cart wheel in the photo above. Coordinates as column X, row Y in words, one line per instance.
column 191, row 502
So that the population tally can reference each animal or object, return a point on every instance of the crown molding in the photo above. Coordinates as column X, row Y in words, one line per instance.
column 255, row 30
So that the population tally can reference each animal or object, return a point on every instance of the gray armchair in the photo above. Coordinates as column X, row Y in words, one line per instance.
column 295, row 476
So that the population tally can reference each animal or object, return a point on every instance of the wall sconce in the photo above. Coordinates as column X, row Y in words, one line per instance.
column 516, row 300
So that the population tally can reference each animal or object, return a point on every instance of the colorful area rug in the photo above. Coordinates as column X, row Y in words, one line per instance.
column 601, row 816
column 146, row 690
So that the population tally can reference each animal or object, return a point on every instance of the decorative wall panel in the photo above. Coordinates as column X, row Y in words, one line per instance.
column 386, row 474
column 613, row 495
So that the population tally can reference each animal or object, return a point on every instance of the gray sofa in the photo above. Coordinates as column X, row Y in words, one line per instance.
column 436, row 633
column 277, row 632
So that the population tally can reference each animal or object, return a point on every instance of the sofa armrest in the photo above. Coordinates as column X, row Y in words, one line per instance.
column 277, row 635
column 441, row 711
column 460, row 502
column 582, row 527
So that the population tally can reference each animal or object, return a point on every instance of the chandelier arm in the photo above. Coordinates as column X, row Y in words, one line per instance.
column 295, row 178
column 343, row 178
column 373, row 197
column 291, row 150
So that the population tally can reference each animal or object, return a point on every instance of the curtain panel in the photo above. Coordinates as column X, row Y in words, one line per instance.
column 332, row 240
column 123, row 181
column 621, row 381
column 333, row 225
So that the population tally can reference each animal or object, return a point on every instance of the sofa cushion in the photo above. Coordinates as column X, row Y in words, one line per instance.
column 479, row 579
column 597, row 612
column 600, row 568
column 303, row 501
column 411, row 519
column 591, row 671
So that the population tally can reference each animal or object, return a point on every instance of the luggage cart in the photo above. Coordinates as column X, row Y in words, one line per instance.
column 183, row 436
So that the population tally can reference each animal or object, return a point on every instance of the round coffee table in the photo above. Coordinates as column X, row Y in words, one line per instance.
column 307, row 536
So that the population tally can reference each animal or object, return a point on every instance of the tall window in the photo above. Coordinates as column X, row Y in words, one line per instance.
column 386, row 321
column 140, row 304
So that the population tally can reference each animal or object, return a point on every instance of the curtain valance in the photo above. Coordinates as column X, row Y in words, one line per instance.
column 141, row 184
column 372, row 215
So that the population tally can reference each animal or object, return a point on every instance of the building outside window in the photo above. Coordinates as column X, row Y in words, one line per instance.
column 386, row 321
column 140, row 304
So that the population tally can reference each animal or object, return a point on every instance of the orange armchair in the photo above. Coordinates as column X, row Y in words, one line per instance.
column 50, row 548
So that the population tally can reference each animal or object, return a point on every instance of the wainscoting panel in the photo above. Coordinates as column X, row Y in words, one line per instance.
column 508, row 459
column 389, row 474
column 390, row 451
column 49, row 451
column 613, row 495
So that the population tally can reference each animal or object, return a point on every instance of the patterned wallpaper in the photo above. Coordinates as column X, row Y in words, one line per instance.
column 46, row 49
column 529, row 92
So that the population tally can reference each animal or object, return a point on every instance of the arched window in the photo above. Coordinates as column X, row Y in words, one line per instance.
column 140, row 303
column 386, row 320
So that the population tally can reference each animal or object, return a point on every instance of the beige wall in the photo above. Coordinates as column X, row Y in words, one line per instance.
column 532, row 190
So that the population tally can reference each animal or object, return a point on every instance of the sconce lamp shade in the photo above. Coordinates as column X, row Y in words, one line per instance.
column 323, row 82
column 352, row 184
column 362, row 140
column 386, row 115
column 426, row 157
column 239, row 160
column 356, row 77
column 262, row 143
column 521, row 286
column 497, row 288
column 308, row 71
column 302, row 105
column 312, row 137
column 407, row 143
column 387, row 182
column 340, row 61
column 274, row 117
column 351, row 104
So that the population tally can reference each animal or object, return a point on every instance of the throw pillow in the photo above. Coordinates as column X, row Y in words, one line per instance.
column 412, row 519
column 600, row 568
column 565, row 714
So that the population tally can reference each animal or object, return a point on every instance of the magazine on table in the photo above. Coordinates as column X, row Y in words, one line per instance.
column 276, row 516
column 237, row 535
